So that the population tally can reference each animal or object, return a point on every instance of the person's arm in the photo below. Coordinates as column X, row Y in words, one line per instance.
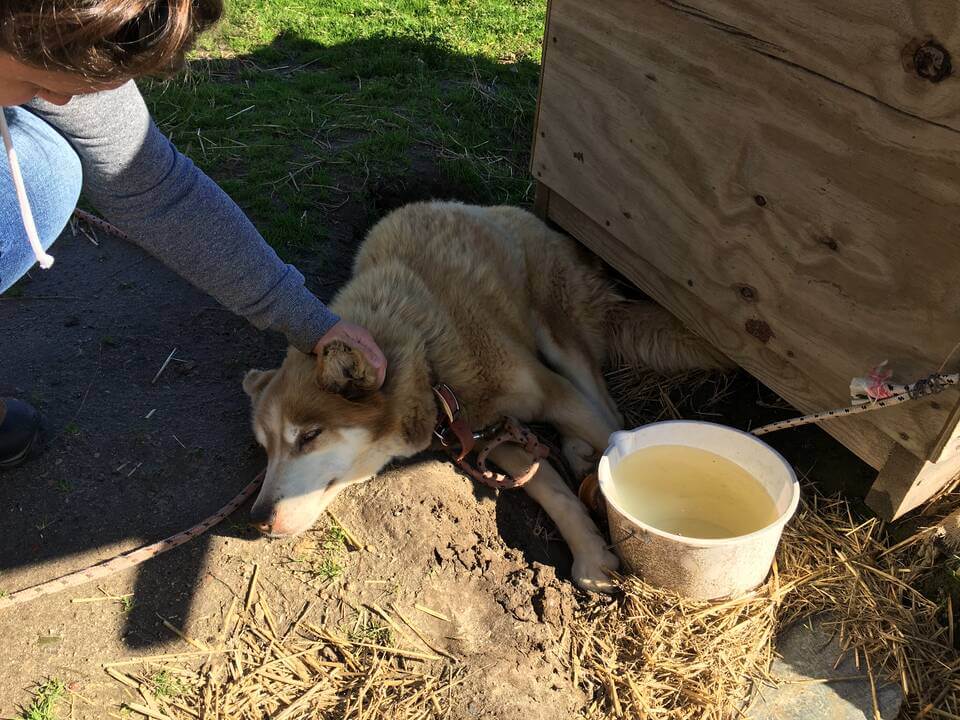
column 141, row 183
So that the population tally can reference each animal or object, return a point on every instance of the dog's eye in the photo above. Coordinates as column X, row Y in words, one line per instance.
column 308, row 435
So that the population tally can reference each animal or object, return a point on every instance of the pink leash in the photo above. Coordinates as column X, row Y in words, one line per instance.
column 43, row 258
column 127, row 560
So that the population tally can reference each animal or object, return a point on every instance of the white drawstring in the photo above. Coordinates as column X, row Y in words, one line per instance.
column 45, row 260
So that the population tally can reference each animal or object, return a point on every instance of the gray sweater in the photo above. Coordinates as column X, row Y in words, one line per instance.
column 141, row 183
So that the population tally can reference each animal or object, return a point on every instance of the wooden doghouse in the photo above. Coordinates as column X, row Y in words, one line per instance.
column 784, row 177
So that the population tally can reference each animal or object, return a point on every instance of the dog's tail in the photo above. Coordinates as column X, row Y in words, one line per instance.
column 643, row 334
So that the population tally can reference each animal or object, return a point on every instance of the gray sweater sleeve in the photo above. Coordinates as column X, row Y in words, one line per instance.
column 141, row 183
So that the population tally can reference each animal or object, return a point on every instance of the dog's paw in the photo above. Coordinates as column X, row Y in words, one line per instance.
column 580, row 456
column 591, row 572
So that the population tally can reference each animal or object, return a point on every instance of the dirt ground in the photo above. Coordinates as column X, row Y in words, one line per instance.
column 133, row 458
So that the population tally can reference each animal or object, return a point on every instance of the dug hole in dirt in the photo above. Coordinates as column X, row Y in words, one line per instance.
column 133, row 458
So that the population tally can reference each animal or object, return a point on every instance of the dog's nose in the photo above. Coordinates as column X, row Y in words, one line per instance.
column 263, row 527
column 261, row 520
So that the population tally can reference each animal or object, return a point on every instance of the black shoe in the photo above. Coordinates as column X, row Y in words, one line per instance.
column 19, row 432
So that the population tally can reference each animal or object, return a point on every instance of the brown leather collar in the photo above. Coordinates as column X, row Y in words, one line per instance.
column 450, row 422
column 452, row 430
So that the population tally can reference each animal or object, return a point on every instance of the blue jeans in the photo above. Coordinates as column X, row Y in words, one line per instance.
column 52, row 176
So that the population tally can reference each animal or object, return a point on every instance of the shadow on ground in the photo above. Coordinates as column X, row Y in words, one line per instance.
column 133, row 457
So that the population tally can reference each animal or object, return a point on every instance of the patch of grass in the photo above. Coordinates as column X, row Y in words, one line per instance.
column 43, row 524
column 296, row 108
column 45, row 699
column 127, row 603
column 165, row 685
column 318, row 556
column 327, row 569
column 72, row 428
column 64, row 485
column 369, row 630
column 336, row 538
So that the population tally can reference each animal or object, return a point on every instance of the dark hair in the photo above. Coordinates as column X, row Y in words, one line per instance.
column 104, row 39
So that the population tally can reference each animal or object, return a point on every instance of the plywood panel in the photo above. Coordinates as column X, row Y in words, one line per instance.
column 821, row 224
column 870, row 444
column 893, row 51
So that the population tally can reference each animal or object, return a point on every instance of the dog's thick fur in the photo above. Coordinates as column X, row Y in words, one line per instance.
column 493, row 303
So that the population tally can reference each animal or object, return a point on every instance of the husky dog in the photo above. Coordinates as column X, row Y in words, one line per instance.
column 510, row 314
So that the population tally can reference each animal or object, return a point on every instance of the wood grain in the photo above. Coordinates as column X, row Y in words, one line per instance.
column 815, row 225
column 905, row 483
column 870, row 444
column 868, row 46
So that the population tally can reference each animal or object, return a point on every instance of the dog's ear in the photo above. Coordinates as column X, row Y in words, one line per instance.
column 344, row 370
column 256, row 380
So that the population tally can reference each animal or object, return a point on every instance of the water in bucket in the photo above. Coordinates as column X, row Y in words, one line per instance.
column 691, row 492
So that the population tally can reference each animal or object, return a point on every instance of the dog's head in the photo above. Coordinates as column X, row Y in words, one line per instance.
column 325, row 425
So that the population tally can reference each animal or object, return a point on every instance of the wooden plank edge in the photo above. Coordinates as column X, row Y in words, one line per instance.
column 948, row 442
column 544, row 44
column 905, row 482
column 541, row 201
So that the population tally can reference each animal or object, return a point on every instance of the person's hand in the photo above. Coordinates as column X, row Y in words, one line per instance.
column 358, row 338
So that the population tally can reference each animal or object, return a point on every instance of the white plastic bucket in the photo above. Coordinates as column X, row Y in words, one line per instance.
column 693, row 567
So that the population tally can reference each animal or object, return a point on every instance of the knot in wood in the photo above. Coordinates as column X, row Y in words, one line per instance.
column 747, row 292
column 759, row 329
column 932, row 62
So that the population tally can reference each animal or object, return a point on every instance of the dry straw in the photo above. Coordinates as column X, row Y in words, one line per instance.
column 645, row 396
column 306, row 672
column 650, row 654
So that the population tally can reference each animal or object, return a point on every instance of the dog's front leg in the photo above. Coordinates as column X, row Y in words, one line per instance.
column 591, row 559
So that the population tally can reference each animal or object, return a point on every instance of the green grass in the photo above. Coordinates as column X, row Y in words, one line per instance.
column 321, row 558
column 336, row 538
column 368, row 630
column 45, row 700
column 327, row 569
column 64, row 485
column 166, row 686
column 297, row 107
column 328, row 566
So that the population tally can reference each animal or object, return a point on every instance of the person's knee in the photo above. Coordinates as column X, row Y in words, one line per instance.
column 61, row 196
column 52, row 175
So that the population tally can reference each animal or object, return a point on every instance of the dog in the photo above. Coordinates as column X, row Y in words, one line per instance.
column 509, row 313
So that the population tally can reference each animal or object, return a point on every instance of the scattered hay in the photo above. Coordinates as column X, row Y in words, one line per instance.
column 306, row 672
column 653, row 655
column 650, row 654
column 645, row 396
